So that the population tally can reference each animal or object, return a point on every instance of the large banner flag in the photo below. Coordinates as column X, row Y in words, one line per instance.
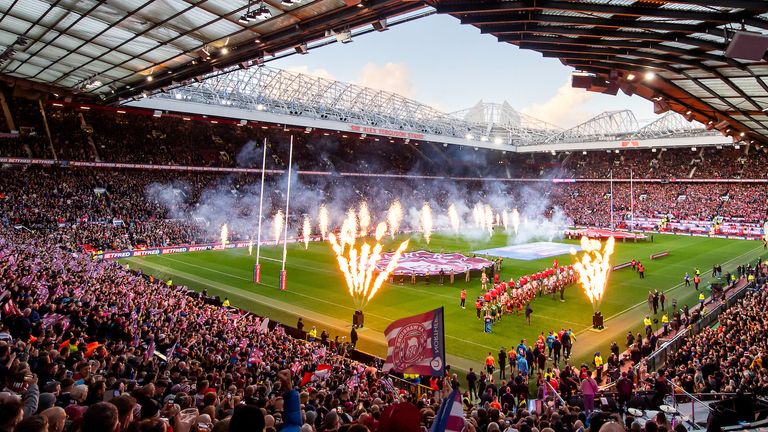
column 416, row 344
column 450, row 416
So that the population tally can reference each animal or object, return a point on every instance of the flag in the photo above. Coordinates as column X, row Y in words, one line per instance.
column 10, row 309
column 450, row 416
column 150, row 350
column 321, row 372
column 386, row 385
column 416, row 344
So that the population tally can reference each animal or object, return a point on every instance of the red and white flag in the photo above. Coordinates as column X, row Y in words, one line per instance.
column 416, row 344
column 320, row 373
column 450, row 416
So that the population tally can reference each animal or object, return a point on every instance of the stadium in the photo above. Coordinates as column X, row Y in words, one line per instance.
column 209, row 223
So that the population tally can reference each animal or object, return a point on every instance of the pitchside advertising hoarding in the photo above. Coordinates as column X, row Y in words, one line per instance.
column 170, row 250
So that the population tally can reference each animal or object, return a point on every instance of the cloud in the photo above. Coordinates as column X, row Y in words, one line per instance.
column 392, row 77
column 567, row 108
column 304, row 69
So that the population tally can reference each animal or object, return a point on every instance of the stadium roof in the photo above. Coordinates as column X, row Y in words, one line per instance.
column 269, row 95
column 682, row 42
column 122, row 47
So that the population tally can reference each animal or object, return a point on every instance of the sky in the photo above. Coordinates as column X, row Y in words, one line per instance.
column 439, row 62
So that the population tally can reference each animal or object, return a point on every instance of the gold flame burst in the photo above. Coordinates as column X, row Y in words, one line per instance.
column 358, row 264
column 593, row 268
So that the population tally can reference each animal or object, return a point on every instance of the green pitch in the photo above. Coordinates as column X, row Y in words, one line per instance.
column 317, row 292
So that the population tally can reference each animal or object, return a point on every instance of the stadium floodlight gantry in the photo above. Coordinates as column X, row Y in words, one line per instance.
column 271, row 95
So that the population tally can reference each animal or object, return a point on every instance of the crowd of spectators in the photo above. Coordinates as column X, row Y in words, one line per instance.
column 100, row 134
column 115, row 209
column 730, row 357
column 91, row 346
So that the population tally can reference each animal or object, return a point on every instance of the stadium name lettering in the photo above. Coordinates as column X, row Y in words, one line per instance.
column 386, row 132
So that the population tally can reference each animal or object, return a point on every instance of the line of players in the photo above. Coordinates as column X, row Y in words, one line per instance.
column 514, row 297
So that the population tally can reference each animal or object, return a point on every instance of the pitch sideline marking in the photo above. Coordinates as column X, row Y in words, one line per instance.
column 172, row 271
column 673, row 288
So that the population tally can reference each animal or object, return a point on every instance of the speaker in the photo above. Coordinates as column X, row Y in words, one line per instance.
column 581, row 80
column 747, row 46
column 380, row 25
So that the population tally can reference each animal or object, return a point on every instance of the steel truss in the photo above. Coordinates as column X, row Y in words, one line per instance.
column 289, row 93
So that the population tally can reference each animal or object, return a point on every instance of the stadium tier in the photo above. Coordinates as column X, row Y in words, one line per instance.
column 192, row 241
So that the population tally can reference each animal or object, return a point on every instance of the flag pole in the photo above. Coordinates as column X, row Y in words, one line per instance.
column 257, row 269
column 287, row 204
column 612, row 200
column 631, row 201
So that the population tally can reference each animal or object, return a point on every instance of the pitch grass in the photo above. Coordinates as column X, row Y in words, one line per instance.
column 317, row 291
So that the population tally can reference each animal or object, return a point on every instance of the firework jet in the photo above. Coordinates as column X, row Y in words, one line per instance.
column 250, row 247
column 593, row 268
column 394, row 217
column 359, row 264
column 479, row 215
column 453, row 215
column 381, row 230
column 515, row 220
column 323, row 221
column 364, row 219
column 488, row 219
column 224, row 235
column 277, row 226
column 306, row 231
column 505, row 219
column 426, row 221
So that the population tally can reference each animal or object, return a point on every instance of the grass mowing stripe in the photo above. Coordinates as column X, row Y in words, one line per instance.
column 313, row 276
column 315, row 298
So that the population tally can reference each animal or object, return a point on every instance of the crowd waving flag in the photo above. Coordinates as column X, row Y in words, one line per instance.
column 322, row 372
column 416, row 344
column 450, row 416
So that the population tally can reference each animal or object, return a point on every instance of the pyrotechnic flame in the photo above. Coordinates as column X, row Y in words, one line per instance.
column 358, row 265
column 323, row 220
column 250, row 247
column 224, row 235
column 277, row 226
column 453, row 215
column 593, row 269
column 365, row 219
column 478, row 213
column 426, row 221
column 515, row 220
column 306, row 231
column 505, row 219
column 394, row 217
column 498, row 219
column 488, row 219
column 381, row 230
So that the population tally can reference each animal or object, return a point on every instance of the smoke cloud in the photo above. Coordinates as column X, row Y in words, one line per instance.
column 234, row 200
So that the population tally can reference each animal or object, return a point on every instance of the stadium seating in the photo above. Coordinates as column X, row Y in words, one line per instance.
column 85, row 342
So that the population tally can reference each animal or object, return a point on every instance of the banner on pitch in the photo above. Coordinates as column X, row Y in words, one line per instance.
column 416, row 344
